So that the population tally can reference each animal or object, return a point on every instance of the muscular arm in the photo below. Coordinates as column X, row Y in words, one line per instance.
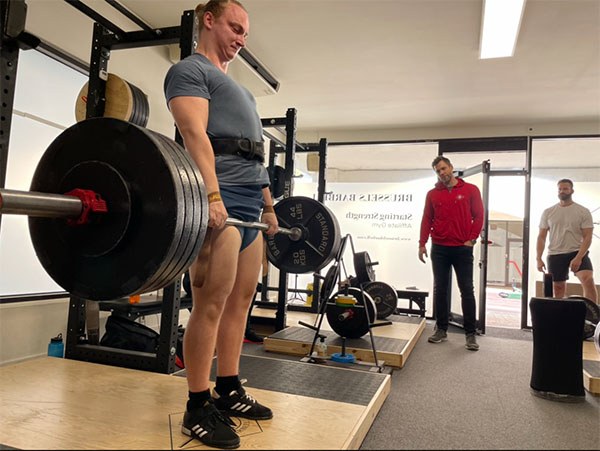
column 541, row 243
column 267, row 216
column 191, row 117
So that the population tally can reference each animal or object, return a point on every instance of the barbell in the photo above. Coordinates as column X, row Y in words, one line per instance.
column 77, row 207
column 117, row 210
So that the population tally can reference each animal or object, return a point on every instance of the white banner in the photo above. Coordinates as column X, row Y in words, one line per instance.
column 384, row 220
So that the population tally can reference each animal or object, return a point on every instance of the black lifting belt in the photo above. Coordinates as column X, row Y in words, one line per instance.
column 250, row 150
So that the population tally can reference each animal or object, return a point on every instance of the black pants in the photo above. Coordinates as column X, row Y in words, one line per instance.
column 443, row 259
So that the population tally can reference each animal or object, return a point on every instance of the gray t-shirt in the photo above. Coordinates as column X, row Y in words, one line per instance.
column 231, row 114
column 565, row 224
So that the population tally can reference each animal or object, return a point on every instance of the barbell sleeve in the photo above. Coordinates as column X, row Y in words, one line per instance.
column 43, row 205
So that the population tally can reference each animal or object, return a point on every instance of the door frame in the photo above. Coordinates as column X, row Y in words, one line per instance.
column 489, row 146
column 456, row 318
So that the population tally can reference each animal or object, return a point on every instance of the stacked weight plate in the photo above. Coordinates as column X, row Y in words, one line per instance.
column 124, row 101
column 195, row 211
column 157, row 210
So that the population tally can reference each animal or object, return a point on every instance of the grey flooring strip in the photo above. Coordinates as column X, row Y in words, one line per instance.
column 592, row 367
column 302, row 334
column 308, row 379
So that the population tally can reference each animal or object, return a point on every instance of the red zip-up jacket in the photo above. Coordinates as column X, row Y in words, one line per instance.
column 453, row 216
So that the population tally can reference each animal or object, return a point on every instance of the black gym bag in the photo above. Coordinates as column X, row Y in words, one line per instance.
column 124, row 333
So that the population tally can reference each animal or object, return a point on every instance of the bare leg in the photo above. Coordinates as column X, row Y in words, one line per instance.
column 560, row 289
column 200, row 336
column 233, row 323
column 586, row 277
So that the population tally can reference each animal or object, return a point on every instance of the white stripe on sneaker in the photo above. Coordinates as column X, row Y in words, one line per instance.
column 241, row 407
column 199, row 431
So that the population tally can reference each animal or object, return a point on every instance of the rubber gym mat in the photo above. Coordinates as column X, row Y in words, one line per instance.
column 592, row 367
column 307, row 379
column 302, row 334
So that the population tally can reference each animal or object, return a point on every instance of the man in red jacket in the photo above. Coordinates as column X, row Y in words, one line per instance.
column 453, row 216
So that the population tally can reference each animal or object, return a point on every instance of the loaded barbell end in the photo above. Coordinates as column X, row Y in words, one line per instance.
column 77, row 205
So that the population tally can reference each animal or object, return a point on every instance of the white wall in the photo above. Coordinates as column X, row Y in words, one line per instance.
column 26, row 328
column 144, row 67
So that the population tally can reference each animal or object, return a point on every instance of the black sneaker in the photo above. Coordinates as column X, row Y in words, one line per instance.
column 208, row 425
column 252, row 336
column 241, row 404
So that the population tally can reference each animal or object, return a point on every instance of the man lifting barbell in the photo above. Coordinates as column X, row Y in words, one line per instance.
column 116, row 210
column 222, row 131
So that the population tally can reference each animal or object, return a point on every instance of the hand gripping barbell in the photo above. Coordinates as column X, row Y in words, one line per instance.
column 116, row 210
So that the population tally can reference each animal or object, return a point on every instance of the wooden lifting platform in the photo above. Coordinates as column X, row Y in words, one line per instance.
column 54, row 403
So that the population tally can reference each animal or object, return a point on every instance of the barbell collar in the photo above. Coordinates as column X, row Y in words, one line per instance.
column 42, row 205
column 294, row 233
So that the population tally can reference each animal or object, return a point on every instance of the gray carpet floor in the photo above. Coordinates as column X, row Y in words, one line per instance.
column 446, row 397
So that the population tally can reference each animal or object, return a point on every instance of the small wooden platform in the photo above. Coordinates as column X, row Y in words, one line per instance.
column 393, row 343
column 53, row 403
column 591, row 368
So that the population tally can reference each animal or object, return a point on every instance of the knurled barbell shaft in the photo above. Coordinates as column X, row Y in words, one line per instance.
column 61, row 206
column 294, row 233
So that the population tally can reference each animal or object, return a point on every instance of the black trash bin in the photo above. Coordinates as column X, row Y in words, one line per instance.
column 557, row 372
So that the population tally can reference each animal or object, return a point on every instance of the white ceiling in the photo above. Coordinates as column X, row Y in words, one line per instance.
column 382, row 67
column 388, row 70
column 386, row 64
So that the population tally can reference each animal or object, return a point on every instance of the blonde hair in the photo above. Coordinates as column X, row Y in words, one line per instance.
column 216, row 7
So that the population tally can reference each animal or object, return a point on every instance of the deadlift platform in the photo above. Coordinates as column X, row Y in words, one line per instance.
column 393, row 343
column 591, row 368
column 53, row 403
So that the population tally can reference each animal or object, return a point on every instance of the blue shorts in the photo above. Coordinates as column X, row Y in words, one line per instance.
column 244, row 202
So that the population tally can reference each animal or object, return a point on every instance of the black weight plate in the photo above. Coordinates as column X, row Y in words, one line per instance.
column 156, row 216
column 104, row 231
column 351, row 321
column 384, row 296
column 165, row 274
column 140, row 106
column 592, row 316
column 161, row 273
column 321, row 237
column 133, row 116
column 330, row 281
column 277, row 177
column 145, row 109
column 196, row 211
column 189, row 239
column 363, row 267
column 145, row 112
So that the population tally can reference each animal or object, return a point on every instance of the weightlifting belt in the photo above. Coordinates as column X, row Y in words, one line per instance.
column 250, row 150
